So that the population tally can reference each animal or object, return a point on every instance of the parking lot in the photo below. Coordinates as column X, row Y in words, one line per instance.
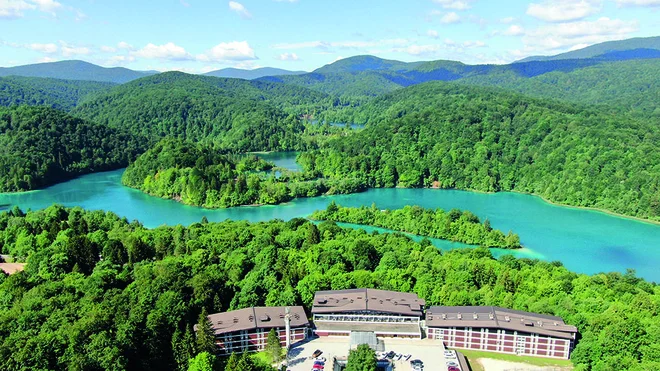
column 430, row 352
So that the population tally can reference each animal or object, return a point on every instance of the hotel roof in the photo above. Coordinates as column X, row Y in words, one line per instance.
column 499, row 318
column 367, row 300
column 256, row 317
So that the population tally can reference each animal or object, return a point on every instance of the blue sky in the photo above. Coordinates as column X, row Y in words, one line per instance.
column 200, row 35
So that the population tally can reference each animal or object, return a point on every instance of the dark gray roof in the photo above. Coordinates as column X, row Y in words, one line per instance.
column 256, row 317
column 499, row 318
column 360, row 300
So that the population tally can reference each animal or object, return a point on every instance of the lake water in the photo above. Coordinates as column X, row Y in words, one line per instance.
column 286, row 160
column 584, row 240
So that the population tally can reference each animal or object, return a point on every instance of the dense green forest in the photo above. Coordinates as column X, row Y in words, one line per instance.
column 455, row 225
column 100, row 293
column 34, row 91
column 197, row 174
column 41, row 146
column 450, row 136
column 232, row 114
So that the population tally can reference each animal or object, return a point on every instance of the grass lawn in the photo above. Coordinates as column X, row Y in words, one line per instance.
column 263, row 358
column 473, row 355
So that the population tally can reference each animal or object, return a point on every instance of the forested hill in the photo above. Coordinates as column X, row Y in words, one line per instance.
column 627, row 86
column 36, row 91
column 100, row 293
column 453, row 136
column 625, row 82
column 197, row 174
column 234, row 114
column 75, row 70
column 41, row 146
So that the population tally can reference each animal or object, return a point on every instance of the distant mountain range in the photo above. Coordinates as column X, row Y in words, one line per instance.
column 595, row 50
column 406, row 73
column 236, row 73
column 619, row 73
column 76, row 70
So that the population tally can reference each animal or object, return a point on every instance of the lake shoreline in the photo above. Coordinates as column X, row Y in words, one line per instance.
column 608, row 212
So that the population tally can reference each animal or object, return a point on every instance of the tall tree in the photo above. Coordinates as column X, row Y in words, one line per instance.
column 205, row 338
column 273, row 346
column 232, row 363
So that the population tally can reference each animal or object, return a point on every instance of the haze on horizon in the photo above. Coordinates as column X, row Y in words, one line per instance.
column 197, row 36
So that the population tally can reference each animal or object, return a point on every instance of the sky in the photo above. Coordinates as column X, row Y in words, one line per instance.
column 198, row 36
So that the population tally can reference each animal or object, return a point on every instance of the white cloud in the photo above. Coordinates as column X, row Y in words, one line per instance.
column 185, row 3
column 12, row 9
column 514, row 30
column 347, row 44
column 453, row 4
column 240, row 9
column 246, row 65
column 507, row 20
column 231, row 51
column 303, row 45
column 79, row 15
column 563, row 10
column 432, row 33
column 47, row 6
column 124, row 45
column 474, row 44
column 567, row 35
column 119, row 60
column 169, row 51
column 288, row 57
column 286, row 1
column 46, row 60
column 108, row 49
column 69, row 50
column 43, row 48
column 649, row 3
column 450, row 18
column 420, row 49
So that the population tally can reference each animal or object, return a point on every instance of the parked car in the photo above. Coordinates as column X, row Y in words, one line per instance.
column 417, row 365
column 452, row 363
column 453, row 368
column 317, row 367
column 321, row 359
column 390, row 354
column 317, row 353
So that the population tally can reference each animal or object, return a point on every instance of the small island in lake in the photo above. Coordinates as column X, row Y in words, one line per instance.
column 455, row 225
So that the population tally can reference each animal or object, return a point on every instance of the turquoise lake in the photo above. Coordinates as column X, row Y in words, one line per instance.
column 584, row 240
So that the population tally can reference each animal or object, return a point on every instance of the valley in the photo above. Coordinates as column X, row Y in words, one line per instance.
column 137, row 202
